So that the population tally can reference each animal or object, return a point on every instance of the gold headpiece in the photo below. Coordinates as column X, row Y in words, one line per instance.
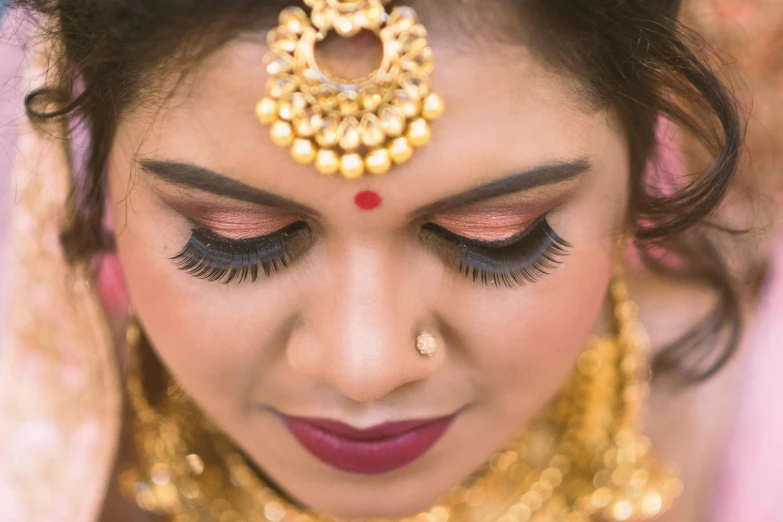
column 351, row 126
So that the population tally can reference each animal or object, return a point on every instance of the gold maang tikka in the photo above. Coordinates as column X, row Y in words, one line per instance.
column 351, row 126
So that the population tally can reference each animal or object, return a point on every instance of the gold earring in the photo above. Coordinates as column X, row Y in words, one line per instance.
column 426, row 344
column 613, row 376
column 169, row 435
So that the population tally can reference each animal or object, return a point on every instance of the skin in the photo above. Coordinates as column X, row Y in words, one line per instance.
column 333, row 335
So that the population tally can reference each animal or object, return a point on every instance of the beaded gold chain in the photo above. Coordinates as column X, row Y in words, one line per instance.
column 583, row 459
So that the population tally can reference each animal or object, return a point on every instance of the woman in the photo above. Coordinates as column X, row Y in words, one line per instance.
column 423, row 313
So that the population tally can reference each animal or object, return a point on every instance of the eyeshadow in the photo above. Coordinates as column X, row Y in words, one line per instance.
column 486, row 227
column 234, row 221
column 495, row 221
column 240, row 225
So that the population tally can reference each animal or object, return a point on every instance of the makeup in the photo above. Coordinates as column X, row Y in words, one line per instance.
column 488, row 226
column 513, row 261
column 502, row 217
column 372, row 451
column 215, row 258
column 486, row 235
column 368, row 200
column 236, row 223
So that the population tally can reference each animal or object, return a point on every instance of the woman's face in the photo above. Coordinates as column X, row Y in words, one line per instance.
column 332, row 334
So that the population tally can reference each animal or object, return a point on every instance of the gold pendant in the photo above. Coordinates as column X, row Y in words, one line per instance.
column 355, row 126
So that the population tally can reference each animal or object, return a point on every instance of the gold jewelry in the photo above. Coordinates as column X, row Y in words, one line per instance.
column 583, row 459
column 426, row 344
column 358, row 125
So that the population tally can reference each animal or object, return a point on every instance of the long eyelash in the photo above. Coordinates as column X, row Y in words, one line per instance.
column 215, row 258
column 520, row 260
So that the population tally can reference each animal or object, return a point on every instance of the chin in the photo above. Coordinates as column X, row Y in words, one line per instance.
column 380, row 505
column 388, row 499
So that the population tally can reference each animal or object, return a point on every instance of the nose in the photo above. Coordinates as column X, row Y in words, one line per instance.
column 360, row 331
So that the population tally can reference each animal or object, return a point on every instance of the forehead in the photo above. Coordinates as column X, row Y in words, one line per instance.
column 506, row 112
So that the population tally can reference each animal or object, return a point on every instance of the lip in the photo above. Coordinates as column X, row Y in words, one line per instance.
column 372, row 451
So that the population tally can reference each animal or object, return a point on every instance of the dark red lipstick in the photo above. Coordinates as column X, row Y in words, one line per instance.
column 371, row 451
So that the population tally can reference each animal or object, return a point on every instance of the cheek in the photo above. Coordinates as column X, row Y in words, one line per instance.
column 538, row 336
column 213, row 338
column 524, row 343
column 523, row 348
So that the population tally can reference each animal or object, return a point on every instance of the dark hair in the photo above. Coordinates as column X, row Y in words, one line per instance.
column 632, row 55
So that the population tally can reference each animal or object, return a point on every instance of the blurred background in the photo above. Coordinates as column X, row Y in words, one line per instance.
column 748, row 35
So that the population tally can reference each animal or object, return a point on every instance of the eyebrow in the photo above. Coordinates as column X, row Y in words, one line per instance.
column 540, row 176
column 195, row 177
column 199, row 178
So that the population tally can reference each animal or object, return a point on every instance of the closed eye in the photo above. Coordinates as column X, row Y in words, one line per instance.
column 520, row 259
column 210, row 256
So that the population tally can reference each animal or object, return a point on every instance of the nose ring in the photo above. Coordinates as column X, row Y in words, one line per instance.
column 426, row 344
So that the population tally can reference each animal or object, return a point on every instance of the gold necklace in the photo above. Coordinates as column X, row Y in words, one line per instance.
column 583, row 459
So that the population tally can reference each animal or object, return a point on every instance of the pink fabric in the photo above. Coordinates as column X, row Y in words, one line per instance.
column 753, row 484
column 60, row 405
column 11, row 59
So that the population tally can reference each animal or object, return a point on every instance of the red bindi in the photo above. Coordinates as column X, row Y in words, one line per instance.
column 368, row 200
